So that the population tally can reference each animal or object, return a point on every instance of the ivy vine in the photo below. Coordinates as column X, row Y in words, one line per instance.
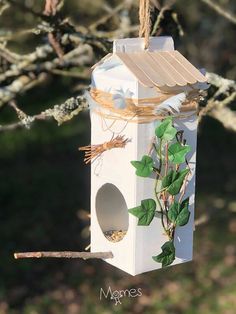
column 171, row 173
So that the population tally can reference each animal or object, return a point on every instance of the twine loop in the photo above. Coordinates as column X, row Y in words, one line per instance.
column 140, row 110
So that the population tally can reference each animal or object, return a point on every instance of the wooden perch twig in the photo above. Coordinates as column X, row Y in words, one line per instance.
column 94, row 151
column 66, row 254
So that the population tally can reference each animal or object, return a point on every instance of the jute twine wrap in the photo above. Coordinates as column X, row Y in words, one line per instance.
column 139, row 110
column 145, row 21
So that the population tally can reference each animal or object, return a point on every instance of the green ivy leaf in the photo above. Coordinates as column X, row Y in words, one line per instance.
column 177, row 153
column 165, row 130
column 144, row 167
column 179, row 213
column 167, row 256
column 145, row 212
column 173, row 181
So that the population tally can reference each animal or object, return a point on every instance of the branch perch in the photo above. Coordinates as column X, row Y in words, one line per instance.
column 66, row 254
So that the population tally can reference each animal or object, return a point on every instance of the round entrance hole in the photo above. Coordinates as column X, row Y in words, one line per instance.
column 112, row 212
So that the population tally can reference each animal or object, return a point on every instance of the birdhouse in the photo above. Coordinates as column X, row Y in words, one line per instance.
column 143, row 120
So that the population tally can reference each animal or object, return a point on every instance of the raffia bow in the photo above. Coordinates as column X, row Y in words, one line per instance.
column 92, row 152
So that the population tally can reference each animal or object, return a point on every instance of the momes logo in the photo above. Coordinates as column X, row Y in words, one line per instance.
column 117, row 295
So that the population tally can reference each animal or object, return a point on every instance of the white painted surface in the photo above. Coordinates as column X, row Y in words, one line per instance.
column 137, row 44
column 134, row 253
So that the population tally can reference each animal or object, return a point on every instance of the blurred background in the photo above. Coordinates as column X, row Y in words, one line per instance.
column 44, row 183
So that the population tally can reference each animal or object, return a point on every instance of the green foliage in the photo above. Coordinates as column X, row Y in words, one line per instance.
column 165, row 130
column 144, row 167
column 173, row 181
column 179, row 213
column 167, row 256
column 172, row 212
column 177, row 153
column 145, row 212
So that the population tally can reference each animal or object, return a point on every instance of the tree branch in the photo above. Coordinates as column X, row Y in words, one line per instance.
column 3, row 7
column 223, row 96
column 61, row 113
column 18, row 86
column 226, row 116
column 106, row 17
column 201, row 220
column 221, row 11
column 79, row 56
column 23, row 62
column 25, row 8
column 19, row 73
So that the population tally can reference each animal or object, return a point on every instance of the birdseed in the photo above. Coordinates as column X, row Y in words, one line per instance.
column 115, row 235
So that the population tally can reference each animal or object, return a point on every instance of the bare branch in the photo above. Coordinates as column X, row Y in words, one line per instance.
column 16, row 68
column 20, row 73
column 79, row 56
column 3, row 7
column 224, row 95
column 9, row 55
column 66, row 111
column 226, row 116
column 221, row 11
column 106, row 17
column 56, row 45
column 18, row 86
column 25, row 8
column 159, row 19
column 201, row 220
column 22, row 124
column 61, row 113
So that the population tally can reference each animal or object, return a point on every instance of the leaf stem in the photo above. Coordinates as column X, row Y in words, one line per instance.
column 158, row 192
column 184, row 189
column 157, row 171
column 160, row 155
column 161, row 212
column 165, row 194
column 166, row 161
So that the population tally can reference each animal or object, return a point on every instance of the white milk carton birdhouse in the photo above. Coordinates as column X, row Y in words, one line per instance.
column 143, row 144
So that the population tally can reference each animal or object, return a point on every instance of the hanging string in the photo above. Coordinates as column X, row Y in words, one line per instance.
column 145, row 21
column 109, row 127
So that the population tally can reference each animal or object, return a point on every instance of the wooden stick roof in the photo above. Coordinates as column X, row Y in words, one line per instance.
column 161, row 68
